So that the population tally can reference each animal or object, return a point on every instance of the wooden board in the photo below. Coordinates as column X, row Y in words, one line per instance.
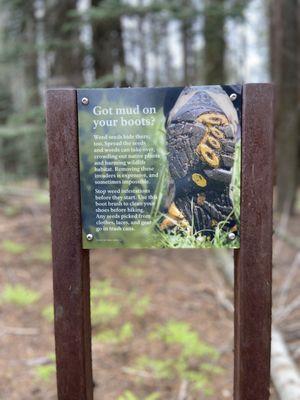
column 70, row 263
column 253, row 261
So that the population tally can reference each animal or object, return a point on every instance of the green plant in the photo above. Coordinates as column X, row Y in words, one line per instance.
column 45, row 372
column 189, row 348
column 128, row 395
column 159, row 368
column 184, row 238
column 48, row 313
column 141, row 306
column 19, row 295
column 12, row 211
column 112, row 337
column 181, row 333
column 43, row 253
column 12, row 247
column 41, row 197
column 103, row 288
column 104, row 311
column 235, row 187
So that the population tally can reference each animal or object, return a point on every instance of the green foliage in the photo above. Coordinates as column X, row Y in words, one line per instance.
column 42, row 197
column 48, row 313
column 160, row 369
column 184, row 238
column 13, row 247
column 6, row 103
column 177, row 332
column 235, row 187
column 128, row 395
column 19, row 295
column 140, row 306
column 45, row 372
column 43, row 253
column 112, row 337
column 104, row 311
column 12, row 211
column 22, row 144
column 189, row 348
column 102, row 289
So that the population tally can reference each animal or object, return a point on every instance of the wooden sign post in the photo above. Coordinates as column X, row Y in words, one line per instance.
column 253, row 261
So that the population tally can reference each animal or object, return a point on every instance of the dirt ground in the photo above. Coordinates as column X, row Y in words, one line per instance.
column 138, row 298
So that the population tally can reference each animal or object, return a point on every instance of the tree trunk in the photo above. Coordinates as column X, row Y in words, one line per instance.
column 284, row 372
column 284, row 69
column 215, row 45
column 187, row 38
column 66, row 63
column 33, row 98
column 108, row 51
column 31, row 57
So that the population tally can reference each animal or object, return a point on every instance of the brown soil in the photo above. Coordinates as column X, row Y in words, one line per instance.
column 181, row 285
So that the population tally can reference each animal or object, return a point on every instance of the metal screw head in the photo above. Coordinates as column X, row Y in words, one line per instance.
column 231, row 236
column 233, row 96
column 89, row 236
column 85, row 101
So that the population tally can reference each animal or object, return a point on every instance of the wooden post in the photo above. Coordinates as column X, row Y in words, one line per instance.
column 253, row 261
column 71, row 279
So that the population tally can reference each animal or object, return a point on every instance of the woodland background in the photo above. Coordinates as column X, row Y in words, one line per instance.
column 104, row 43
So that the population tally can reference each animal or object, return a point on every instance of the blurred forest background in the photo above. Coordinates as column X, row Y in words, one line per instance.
column 149, row 333
column 51, row 43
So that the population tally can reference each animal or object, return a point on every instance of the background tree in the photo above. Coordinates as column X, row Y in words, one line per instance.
column 214, row 39
column 107, row 42
column 63, row 43
column 23, row 146
column 285, row 72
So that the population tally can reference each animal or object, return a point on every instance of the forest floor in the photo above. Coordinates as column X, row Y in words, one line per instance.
column 162, row 319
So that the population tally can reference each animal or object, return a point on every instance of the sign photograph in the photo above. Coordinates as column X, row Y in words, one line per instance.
column 160, row 167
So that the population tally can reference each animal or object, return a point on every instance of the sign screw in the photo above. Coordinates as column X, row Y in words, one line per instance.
column 89, row 237
column 233, row 96
column 231, row 236
column 85, row 101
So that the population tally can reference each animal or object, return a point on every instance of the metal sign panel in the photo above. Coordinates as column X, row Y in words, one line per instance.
column 160, row 167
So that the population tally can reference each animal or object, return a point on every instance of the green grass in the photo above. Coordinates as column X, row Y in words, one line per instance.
column 184, row 238
column 128, row 395
column 46, row 372
column 181, row 333
column 104, row 311
column 141, row 306
column 194, row 360
column 48, row 313
column 102, row 289
column 13, row 247
column 12, row 211
column 43, row 253
column 235, row 187
column 41, row 197
column 19, row 295
column 110, row 336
